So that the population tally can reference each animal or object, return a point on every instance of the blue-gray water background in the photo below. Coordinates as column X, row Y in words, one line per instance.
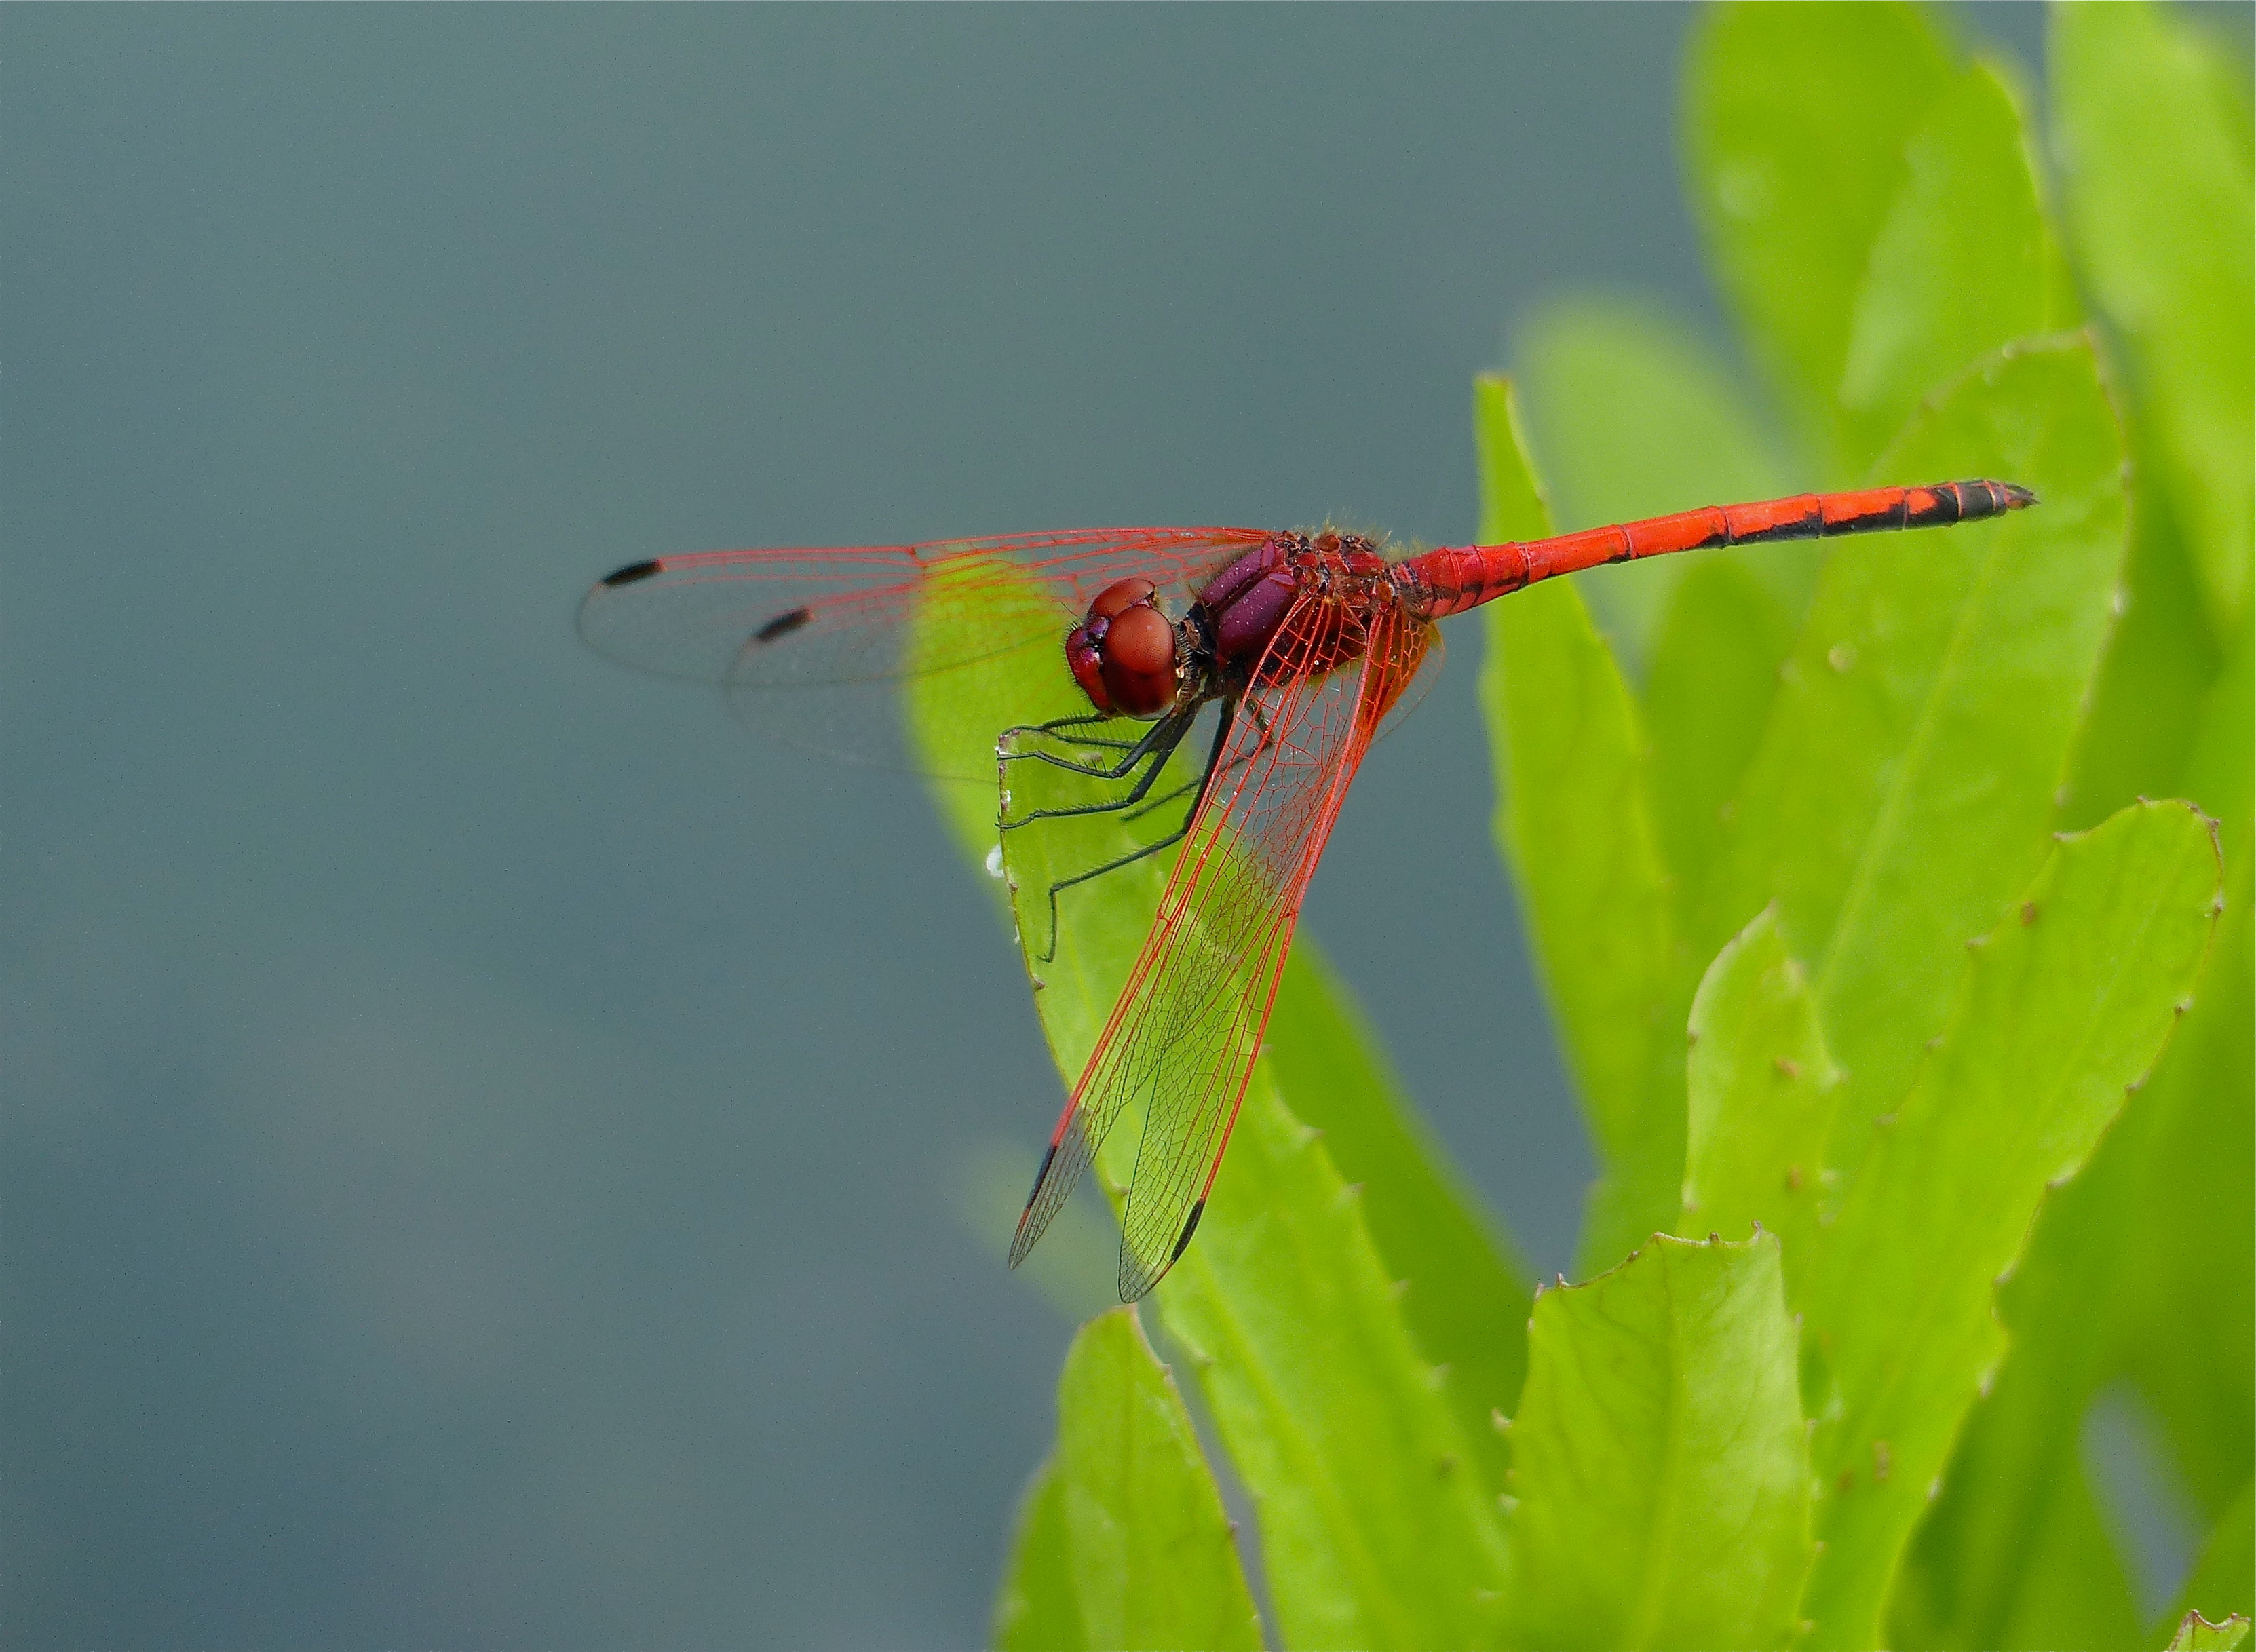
column 483, row 1135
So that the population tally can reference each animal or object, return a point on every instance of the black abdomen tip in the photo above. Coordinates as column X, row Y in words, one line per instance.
column 630, row 573
column 1978, row 499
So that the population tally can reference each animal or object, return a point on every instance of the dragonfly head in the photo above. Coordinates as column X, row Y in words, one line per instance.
column 1124, row 654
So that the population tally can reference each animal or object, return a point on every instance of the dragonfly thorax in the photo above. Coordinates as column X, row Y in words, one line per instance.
column 1243, row 608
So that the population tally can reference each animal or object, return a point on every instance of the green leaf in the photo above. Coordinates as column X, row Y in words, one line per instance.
column 2067, row 1005
column 1513, row 505
column 2132, row 1242
column 1708, row 693
column 2199, row 1378
column 2219, row 761
column 1761, row 1090
column 1464, row 1293
column 1796, row 120
column 1037, row 1611
column 2198, row 1633
column 1900, row 795
column 1375, row 1529
column 2188, row 1327
column 2072, row 1590
column 1963, row 265
column 2076, row 1591
column 1154, row 1564
column 2153, row 140
column 1575, row 825
column 1123, row 1542
column 2157, row 671
column 1663, row 1471
column 2223, row 1581
column 1633, row 416
column 2013, row 1554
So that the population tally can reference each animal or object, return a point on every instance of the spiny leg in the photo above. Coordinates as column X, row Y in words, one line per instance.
column 1158, row 747
column 1253, row 710
column 1054, row 729
column 1161, row 734
column 1213, row 761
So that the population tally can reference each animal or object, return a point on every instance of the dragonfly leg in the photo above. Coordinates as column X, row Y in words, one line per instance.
column 1252, row 710
column 1199, row 785
column 1155, row 751
column 1054, row 729
column 1213, row 763
column 1163, row 736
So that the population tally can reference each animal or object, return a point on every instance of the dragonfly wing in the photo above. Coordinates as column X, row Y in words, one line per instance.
column 813, row 646
column 1414, row 693
column 1182, row 1038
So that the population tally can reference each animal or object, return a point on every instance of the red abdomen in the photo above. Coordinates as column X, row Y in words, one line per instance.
column 1452, row 579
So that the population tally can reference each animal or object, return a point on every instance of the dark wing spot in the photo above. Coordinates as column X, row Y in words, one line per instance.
column 630, row 573
column 1189, row 1228
column 1037, row 1191
column 782, row 626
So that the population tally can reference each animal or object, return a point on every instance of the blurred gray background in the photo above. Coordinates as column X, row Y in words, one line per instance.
column 485, row 1135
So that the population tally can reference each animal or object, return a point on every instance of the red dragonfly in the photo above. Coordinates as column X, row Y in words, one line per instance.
column 1293, row 648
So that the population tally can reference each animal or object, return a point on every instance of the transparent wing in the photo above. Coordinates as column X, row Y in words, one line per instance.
column 1412, row 694
column 1183, row 1036
column 812, row 645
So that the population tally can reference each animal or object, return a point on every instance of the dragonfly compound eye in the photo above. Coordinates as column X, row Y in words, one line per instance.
column 1124, row 654
column 1120, row 596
